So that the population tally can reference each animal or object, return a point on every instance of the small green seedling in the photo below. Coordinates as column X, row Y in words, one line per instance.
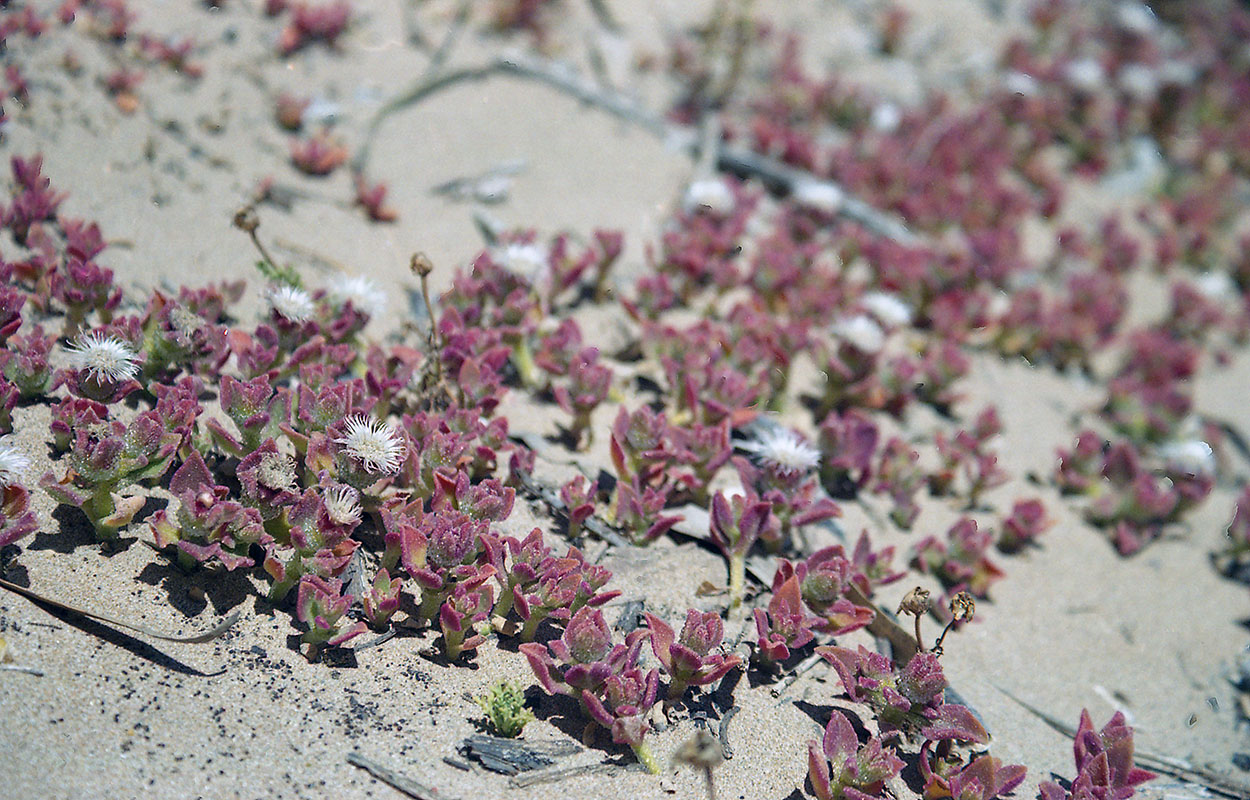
column 504, row 706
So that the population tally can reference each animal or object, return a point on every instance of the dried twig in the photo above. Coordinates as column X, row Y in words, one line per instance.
column 19, row 668
column 559, row 774
column 777, row 176
column 409, row 786
column 805, row 666
column 207, row 636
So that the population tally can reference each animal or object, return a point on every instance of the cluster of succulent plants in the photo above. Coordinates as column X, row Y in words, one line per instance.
column 295, row 447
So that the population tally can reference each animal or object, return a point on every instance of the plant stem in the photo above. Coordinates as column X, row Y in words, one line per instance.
column 646, row 758
column 737, row 581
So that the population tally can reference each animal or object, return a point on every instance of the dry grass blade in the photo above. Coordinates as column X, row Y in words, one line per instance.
column 199, row 638
column 390, row 777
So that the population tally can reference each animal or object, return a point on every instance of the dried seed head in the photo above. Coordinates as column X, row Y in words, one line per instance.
column 276, row 471
column 421, row 265
column 701, row 751
column 245, row 219
column 915, row 603
column 963, row 606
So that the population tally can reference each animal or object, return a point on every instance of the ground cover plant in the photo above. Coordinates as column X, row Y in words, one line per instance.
column 788, row 385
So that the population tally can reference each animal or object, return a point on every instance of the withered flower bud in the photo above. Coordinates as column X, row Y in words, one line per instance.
column 915, row 603
column 963, row 606
column 421, row 265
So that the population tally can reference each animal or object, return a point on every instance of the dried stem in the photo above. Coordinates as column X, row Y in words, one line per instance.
column 777, row 176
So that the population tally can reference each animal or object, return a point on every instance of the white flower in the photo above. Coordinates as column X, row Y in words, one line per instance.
column 782, row 450
column 1085, row 74
column 106, row 359
column 374, row 444
column 290, row 303
column 888, row 308
column 1174, row 72
column 343, row 505
column 886, row 117
column 13, row 464
column 1215, row 285
column 1020, row 83
column 1135, row 17
column 1189, row 456
column 819, row 195
column 861, row 332
column 364, row 294
column 1138, row 80
column 530, row 261
column 711, row 193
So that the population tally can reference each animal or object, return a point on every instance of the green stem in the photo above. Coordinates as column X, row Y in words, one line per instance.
column 646, row 758
column 98, row 507
column 523, row 360
column 737, row 581
column 531, row 625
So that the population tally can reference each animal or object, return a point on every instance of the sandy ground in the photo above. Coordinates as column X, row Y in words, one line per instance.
column 1072, row 625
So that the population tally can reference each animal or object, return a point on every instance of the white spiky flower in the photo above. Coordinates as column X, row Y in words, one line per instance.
column 530, row 261
column 364, row 294
column 343, row 505
column 783, row 451
column 105, row 358
column 13, row 464
column 889, row 309
column 290, row 302
column 861, row 332
column 710, row 193
column 374, row 444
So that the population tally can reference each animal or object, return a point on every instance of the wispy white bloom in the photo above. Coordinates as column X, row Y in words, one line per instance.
column 1138, row 80
column 290, row 303
column 106, row 359
column 886, row 117
column 861, row 332
column 364, row 294
column 1085, row 74
column 343, row 505
column 1020, row 83
column 374, row 444
column 530, row 261
column 13, row 464
column 888, row 308
column 1177, row 73
column 782, row 450
column 820, row 196
column 1215, row 285
column 711, row 193
column 1189, row 456
column 1135, row 17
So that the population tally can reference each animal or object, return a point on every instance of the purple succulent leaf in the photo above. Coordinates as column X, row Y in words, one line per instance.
column 953, row 721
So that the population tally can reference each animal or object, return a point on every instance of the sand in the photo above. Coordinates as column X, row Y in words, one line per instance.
column 1073, row 625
